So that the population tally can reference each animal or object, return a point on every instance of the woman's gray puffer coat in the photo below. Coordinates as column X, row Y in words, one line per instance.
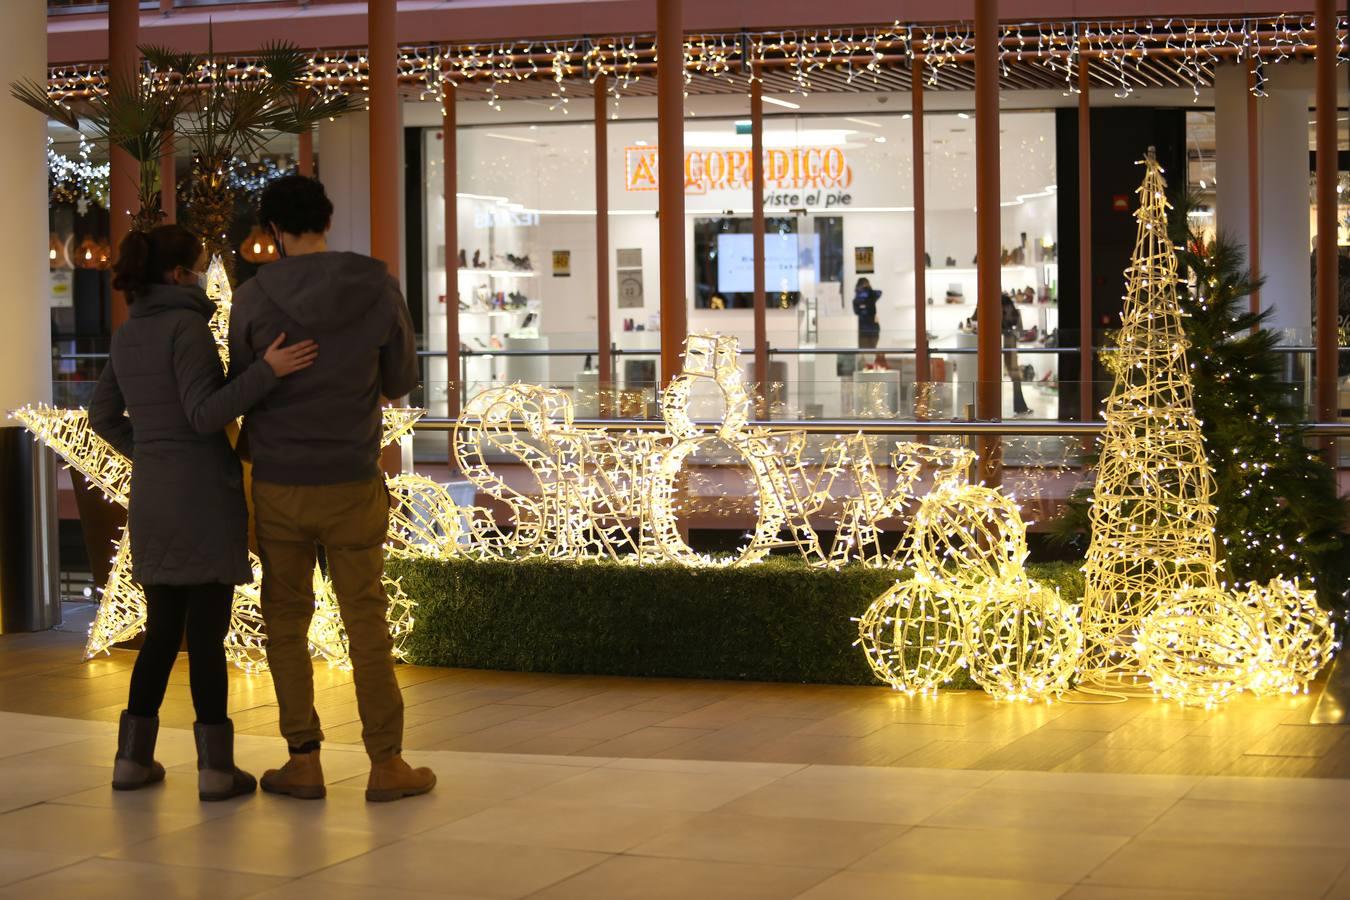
column 188, row 519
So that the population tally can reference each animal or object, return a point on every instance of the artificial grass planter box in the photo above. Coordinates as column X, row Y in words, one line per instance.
column 780, row 620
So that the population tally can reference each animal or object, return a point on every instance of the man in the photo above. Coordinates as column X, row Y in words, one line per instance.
column 315, row 448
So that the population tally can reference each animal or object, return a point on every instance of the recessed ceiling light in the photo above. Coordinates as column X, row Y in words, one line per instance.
column 962, row 115
column 881, row 140
column 868, row 122
column 786, row 104
column 511, row 137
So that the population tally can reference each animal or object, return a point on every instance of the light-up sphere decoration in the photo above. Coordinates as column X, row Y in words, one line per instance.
column 1023, row 641
column 965, row 535
column 1300, row 637
column 1200, row 647
column 912, row 637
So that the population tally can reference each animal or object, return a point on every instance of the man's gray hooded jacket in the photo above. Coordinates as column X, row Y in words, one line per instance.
column 322, row 425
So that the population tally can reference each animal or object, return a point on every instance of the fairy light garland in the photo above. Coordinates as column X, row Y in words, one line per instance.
column 1187, row 49
column 73, row 180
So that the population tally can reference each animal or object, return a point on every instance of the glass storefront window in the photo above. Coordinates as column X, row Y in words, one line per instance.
column 839, row 208
column 525, row 259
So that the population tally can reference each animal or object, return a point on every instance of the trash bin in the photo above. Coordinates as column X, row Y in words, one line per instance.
column 30, row 598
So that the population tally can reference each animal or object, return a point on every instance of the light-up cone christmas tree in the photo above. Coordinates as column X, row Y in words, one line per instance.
column 1151, row 514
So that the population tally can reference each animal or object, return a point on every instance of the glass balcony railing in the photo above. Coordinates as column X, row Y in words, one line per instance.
column 75, row 7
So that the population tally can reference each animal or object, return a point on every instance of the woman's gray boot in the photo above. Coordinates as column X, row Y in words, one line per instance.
column 135, row 765
column 217, row 776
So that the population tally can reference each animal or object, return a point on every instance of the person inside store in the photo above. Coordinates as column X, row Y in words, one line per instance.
column 865, row 299
column 317, row 482
column 1012, row 329
column 163, row 400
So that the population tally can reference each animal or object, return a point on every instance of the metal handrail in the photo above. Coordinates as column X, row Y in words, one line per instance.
column 426, row 354
column 882, row 427
column 746, row 351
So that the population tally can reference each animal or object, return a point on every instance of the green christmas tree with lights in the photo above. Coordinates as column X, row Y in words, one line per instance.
column 1279, row 512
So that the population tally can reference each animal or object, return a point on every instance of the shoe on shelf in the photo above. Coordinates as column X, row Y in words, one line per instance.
column 135, row 766
column 301, row 778
column 218, row 778
column 393, row 779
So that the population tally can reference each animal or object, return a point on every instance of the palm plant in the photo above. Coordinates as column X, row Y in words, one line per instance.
column 137, row 117
column 227, row 115
column 222, row 113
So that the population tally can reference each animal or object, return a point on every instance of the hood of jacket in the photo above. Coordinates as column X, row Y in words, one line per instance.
column 157, row 298
column 324, row 291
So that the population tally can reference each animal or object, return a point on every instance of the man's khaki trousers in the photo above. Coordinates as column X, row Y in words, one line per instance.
column 350, row 522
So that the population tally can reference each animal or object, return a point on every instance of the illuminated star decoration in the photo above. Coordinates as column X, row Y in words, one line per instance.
column 121, row 612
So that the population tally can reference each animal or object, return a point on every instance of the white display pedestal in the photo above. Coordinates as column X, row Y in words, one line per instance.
column 876, row 394
column 807, row 394
column 647, row 342
column 586, row 399
column 967, row 367
column 527, row 369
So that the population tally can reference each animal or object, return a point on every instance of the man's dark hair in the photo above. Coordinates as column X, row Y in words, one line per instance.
column 295, row 204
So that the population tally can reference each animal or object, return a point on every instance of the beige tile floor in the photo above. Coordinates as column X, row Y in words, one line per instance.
column 593, row 788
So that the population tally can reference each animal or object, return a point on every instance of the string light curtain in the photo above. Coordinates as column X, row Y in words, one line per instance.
column 1128, row 55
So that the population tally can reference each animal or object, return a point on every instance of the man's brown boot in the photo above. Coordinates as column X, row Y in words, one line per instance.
column 394, row 779
column 301, row 777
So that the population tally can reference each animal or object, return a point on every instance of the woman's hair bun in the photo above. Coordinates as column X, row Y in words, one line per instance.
column 131, row 271
column 145, row 258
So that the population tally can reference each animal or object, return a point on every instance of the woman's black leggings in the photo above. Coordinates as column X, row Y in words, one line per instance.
column 204, row 611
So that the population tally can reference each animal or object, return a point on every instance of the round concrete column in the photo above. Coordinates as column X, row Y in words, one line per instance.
column 28, row 565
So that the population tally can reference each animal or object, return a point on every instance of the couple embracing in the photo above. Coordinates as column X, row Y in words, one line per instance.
column 317, row 338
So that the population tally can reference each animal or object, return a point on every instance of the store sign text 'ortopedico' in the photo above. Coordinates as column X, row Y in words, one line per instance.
column 793, row 177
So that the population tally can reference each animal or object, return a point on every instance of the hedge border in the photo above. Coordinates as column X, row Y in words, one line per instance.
column 777, row 621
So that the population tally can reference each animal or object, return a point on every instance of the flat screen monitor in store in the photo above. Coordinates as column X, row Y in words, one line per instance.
column 800, row 252
column 785, row 257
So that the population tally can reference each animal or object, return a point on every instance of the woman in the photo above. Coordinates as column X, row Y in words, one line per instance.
column 1012, row 329
column 188, row 521
column 865, row 299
